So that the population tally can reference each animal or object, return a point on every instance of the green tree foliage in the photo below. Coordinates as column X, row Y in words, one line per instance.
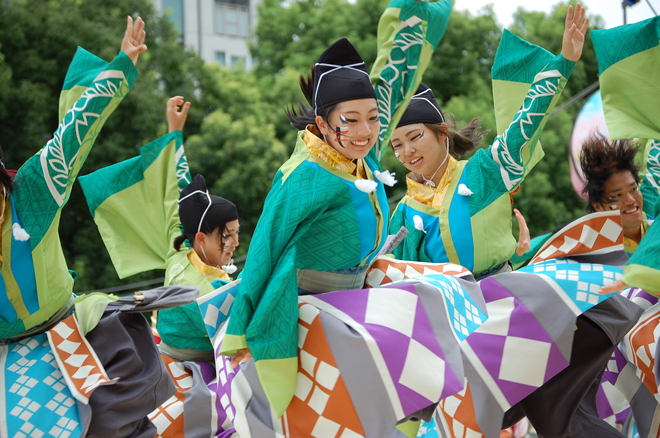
column 37, row 41
column 237, row 131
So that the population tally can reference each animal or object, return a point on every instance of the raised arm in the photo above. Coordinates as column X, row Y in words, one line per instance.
column 44, row 182
column 408, row 33
column 513, row 150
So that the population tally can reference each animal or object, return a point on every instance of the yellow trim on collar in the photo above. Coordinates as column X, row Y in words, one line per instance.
column 432, row 196
column 211, row 273
column 330, row 155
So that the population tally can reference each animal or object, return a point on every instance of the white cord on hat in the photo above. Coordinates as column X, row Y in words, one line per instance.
column 335, row 68
column 199, row 228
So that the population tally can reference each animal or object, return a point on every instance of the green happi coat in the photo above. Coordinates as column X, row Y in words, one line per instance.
column 474, row 229
column 135, row 206
column 35, row 280
column 316, row 217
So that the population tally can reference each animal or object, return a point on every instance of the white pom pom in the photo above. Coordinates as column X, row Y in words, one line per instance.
column 419, row 222
column 366, row 185
column 386, row 177
column 464, row 191
column 230, row 268
column 20, row 233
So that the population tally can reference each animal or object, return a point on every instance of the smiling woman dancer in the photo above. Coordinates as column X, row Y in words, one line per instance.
column 326, row 216
column 460, row 211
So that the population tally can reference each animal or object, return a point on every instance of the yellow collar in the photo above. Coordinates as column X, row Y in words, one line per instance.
column 330, row 155
column 211, row 273
column 432, row 196
column 631, row 244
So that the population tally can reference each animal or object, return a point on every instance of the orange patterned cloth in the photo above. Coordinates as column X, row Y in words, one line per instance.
column 432, row 196
column 330, row 155
column 212, row 273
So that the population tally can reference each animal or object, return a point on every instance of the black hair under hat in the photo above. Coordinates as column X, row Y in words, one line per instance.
column 340, row 75
column 195, row 212
column 423, row 108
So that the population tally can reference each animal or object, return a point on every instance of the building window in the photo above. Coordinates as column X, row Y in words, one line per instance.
column 232, row 18
column 238, row 60
column 220, row 58
column 175, row 10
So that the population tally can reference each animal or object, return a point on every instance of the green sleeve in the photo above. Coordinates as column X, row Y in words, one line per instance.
column 44, row 182
column 264, row 315
column 134, row 204
column 643, row 268
column 412, row 247
column 267, row 300
column 629, row 67
column 508, row 159
column 408, row 33
column 651, row 177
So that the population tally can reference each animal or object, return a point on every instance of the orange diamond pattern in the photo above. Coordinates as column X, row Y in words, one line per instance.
column 321, row 407
column 81, row 368
column 597, row 233
column 642, row 341
column 386, row 270
column 168, row 417
column 458, row 415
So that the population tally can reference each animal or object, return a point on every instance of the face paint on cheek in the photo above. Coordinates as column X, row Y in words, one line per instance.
column 421, row 135
column 613, row 207
column 340, row 131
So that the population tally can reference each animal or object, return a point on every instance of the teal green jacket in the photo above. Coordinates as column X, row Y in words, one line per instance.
column 35, row 280
column 472, row 227
column 316, row 217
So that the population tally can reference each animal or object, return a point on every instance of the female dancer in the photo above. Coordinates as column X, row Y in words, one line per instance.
column 460, row 211
column 42, row 390
column 326, row 216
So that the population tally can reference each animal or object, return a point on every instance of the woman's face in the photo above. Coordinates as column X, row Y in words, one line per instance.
column 219, row 246
column 419, row 148
column 352, row 127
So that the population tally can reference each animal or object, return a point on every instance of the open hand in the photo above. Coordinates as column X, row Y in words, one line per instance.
column 523, row 236
column 617, row 286
column 242, row 356
column 574, row 32
column 133, row 42
column 176, row 112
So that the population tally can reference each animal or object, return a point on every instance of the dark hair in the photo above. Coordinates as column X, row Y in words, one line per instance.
column 467, row 139
column 180, row 240
column 304, row 115
column 600, row 159
column 6, row 180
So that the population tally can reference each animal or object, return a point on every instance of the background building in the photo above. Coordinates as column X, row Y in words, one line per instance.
column 217, row 29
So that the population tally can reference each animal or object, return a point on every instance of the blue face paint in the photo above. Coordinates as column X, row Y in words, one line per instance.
column 342, row 119
column 421, row 135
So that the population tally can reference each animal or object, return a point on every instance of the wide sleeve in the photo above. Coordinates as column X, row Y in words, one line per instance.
column 412, row 246
column 265, row 312
column 44, row 182
column 643, row 268
column 651, row 177
column 408, row 33
column 134, row 204
column 505, row 163
column 629, row 67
